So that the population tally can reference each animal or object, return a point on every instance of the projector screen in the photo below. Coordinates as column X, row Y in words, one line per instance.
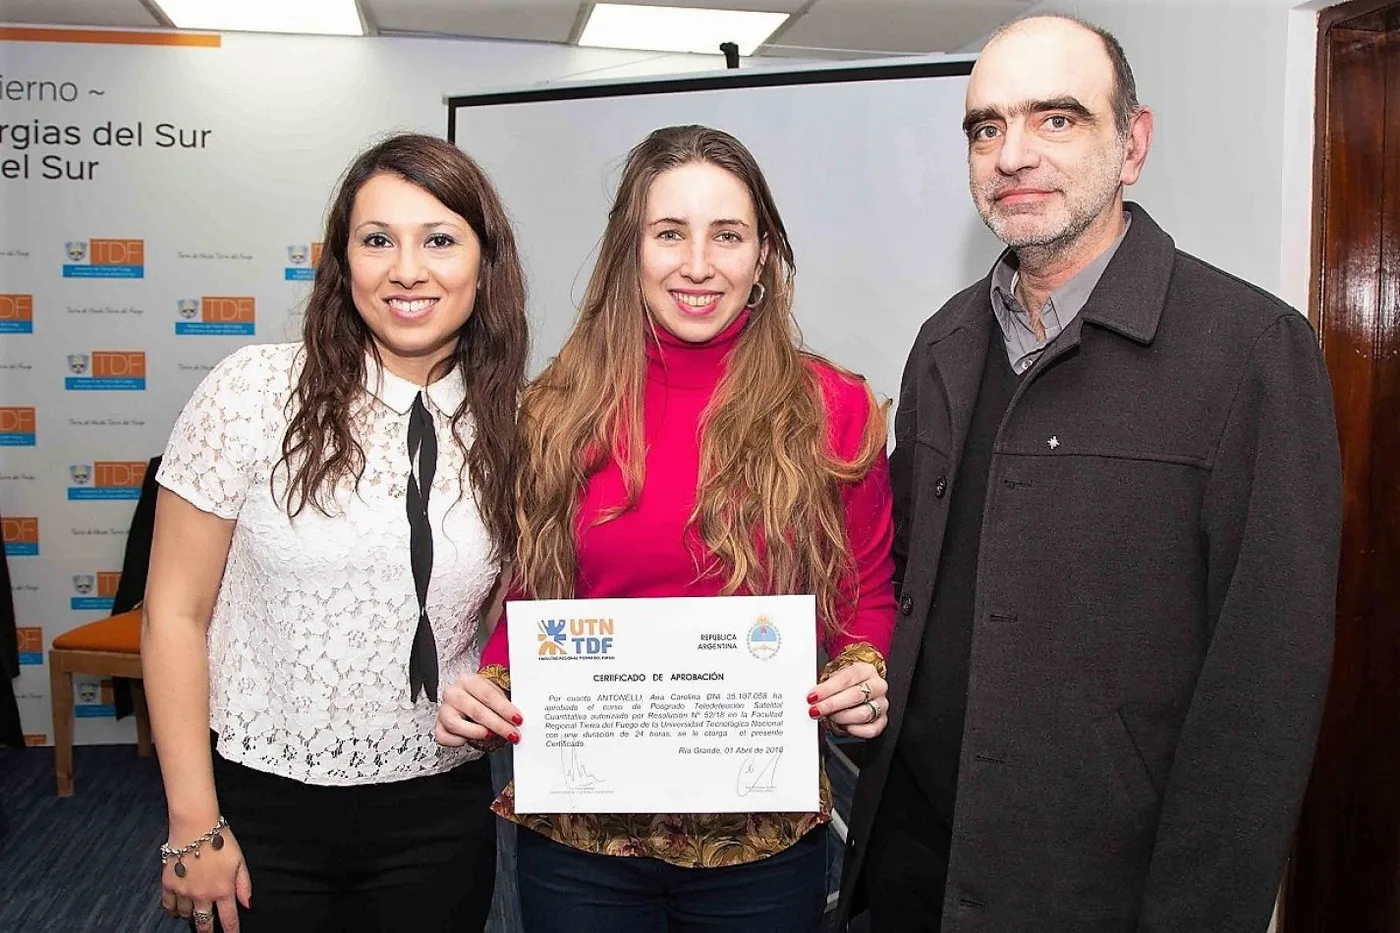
column 868, row 166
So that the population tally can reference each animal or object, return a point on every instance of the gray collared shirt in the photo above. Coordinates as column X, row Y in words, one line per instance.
column 1022, row 348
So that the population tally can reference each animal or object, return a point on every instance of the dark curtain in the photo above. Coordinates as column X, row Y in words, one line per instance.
column 10, row 731
column 131, row 588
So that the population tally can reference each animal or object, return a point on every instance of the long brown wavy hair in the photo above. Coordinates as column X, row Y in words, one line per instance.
column 320, row 449
column 768, row 505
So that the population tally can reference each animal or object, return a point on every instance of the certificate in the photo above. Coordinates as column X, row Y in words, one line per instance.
column 681, row 705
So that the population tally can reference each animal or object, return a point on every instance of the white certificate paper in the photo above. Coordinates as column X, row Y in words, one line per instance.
column 681, row 705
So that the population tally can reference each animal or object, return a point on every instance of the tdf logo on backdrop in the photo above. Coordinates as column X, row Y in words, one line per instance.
column 106, row 480
column 106, row 371
column 16, row 314
column 21, row 534
column 216, row 316
column 94, row 590
column 93, row 698
column 16, row 426
column 576, row 638
column 301, row 262
column 31, row 645
column 104, row 259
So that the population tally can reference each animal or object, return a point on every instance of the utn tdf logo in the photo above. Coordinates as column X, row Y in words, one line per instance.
column 106, row 480
column 94, row 591
column 106, row 371
column 301, row 262
column 16, row 427
column 576, row 638
column 104, row 259
column 216, row 316
column 16, row 314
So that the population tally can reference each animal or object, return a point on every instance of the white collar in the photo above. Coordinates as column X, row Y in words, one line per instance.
column 446, row 394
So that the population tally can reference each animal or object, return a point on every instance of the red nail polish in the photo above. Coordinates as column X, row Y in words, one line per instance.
column 517, row 719
column 812, row 697
column 514, row 738
column 814, row 713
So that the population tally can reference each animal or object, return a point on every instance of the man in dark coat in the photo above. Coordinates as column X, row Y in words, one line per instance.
column 1117, row 519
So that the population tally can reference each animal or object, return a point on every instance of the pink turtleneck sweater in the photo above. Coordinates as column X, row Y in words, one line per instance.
column 648, row 550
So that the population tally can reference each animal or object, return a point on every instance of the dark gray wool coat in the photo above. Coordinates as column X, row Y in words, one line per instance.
column 1152, row 635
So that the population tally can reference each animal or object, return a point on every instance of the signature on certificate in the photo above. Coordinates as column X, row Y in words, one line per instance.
column 757, row 773
column 576, row 773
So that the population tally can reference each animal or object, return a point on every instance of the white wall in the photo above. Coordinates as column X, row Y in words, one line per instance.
column 1213, row 73
column 1297, row 137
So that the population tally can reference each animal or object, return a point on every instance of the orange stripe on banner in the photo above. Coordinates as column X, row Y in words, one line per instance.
column 110, row 37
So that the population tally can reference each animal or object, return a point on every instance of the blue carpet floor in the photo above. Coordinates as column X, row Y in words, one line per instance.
column 88, row 863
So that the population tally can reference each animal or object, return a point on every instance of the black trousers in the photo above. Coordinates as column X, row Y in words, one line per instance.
column 906, row 860
column 416, row 855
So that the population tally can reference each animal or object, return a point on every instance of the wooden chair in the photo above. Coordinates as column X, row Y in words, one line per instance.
column 109, row 647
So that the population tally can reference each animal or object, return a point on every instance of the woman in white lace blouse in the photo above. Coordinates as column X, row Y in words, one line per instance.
column 328, row 541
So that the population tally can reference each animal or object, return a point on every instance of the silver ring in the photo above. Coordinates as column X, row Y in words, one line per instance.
column 875, row 711
column 864, row 686
column 202, row 918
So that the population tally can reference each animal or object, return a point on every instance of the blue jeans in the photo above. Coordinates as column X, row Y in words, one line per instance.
column 564, row 890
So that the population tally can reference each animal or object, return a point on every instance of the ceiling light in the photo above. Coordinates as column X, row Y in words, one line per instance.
column 676, row 29
column 317, row 17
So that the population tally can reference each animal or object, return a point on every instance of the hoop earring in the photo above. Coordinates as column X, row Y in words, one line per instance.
column 762, row 294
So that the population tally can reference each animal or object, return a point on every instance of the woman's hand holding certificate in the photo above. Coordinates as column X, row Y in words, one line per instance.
column 475, row 710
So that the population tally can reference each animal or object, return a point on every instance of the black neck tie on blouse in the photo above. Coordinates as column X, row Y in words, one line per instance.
column 422, row 459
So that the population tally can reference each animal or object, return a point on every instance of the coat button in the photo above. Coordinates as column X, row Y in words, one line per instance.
column 906, row 605
column 940, row 486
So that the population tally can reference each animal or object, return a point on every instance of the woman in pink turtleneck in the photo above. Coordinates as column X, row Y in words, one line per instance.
column 760, row 468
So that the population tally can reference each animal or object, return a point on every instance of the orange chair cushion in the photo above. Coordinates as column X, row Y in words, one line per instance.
column 120, row 633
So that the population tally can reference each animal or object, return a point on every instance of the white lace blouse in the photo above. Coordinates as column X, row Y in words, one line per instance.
column 311, row 633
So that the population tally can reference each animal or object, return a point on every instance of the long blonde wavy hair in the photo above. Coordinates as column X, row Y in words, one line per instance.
column 768, row 505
